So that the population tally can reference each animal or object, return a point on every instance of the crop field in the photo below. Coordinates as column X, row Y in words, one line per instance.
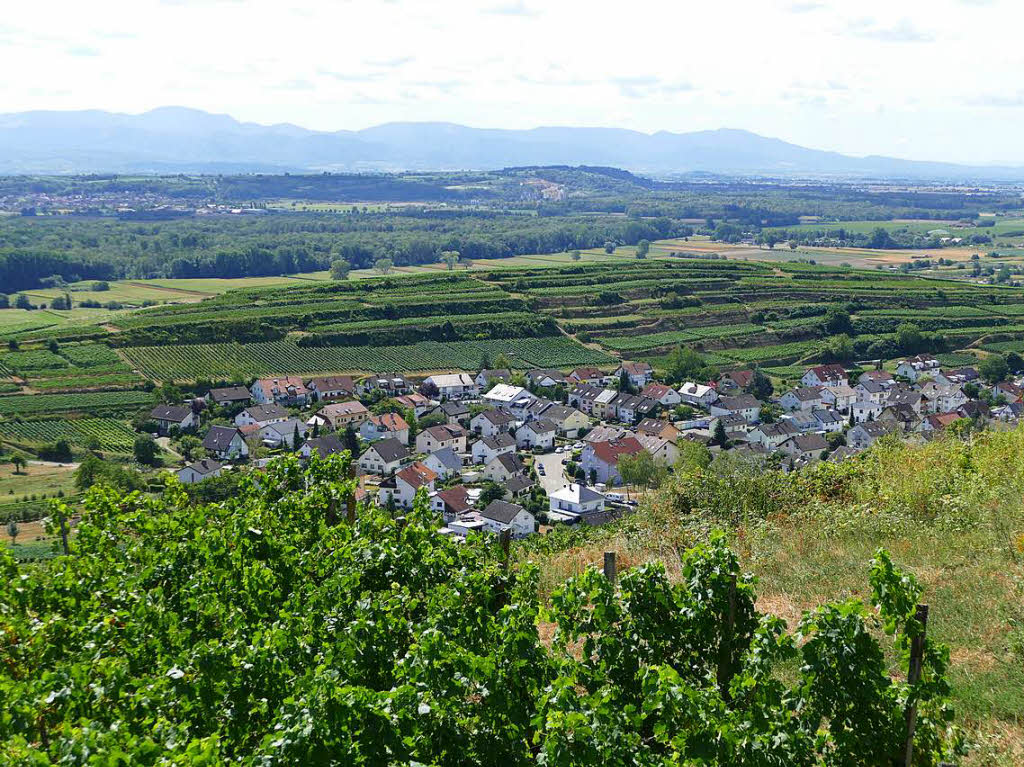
column 287, row 358
column 105, row 433
column 86, row 402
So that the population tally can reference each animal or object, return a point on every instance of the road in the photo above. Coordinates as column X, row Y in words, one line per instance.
column 553, row 477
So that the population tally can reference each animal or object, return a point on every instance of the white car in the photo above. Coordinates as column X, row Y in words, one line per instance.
column 558, row 450
column 578, row 446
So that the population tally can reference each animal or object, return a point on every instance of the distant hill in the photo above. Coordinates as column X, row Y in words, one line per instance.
column 173, row 139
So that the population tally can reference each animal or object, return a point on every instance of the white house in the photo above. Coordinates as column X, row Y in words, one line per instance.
column 536, row 435
column 503, row 467
column 501, row 515
column 826, row 375
column 664, row 395
column 445, row 463
column 341, row 415
column 282, row 434
column 863, row 435
column 602, row 458
column 286, row 390
column 261, row 415
column 568, row 420
column 697, row 394
column 913, row 368
column 404, row 483
column 486, row 449
column 384, row 426
column 839, row 397
column 640, row 373
column 663, row 451
column 454, row 385
column 804, row 447
column 383, row 457
column 323, row 446
column 576, row 499
column 771, row 435
column 451, row 502
column 169, row 417
column 331, row 387
column 865, row 410
column 225, row 442
column 197, row 471
column 437, row 437
column 828, row 420
column 871, row 390
column 942, row 398
column 512, row 398
column 745, row 405
column 492, row 422
column 801, row 398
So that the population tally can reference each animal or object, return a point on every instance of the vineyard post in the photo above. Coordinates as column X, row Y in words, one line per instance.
column 913, row 677
column 350, row 511
column 506, row 546
column 725, row 645
column 609, row 566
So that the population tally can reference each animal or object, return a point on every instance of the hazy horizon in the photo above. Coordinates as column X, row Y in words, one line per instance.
column 934, row 81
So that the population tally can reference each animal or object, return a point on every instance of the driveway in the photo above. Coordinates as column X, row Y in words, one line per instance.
column 553, row 477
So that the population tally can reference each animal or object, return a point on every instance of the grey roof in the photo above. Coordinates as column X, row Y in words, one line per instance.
column 777, row 429
column 448, row 458
column 326, row 445
column 518, row 484
column 871, row 387
column 510, row 462
column 808, row 443
column 218, row 438
column 841, row 453
column 498, row 417
column 806, row 393
column 454, row 407
column 390, row 450
column 499, row 441
column 265, row 412
column 827, row 416
column 875, row 428
column 501, row 511
column 739, row 402
column 175, row 413
column 287, row 428
column 204, row 466
column 230, row 394
column 541, row 426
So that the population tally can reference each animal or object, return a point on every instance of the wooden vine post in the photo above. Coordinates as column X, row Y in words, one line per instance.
column 913, row 677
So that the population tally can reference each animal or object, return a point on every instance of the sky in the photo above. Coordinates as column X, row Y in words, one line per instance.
column 919, row 79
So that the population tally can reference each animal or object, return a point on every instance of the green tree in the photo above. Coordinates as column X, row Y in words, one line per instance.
column 908, row 338
column 760, row 385
column 383, row 265
column 575, row 255
column 993, row 368
column 719, row 436
column 22, row 302
column 19, row 463
column 451, row 258
column 837, row 320
column 609, row 247
column 643, row 248
column 1014, row 362
column 340, row 269
column 502, row 362
column 12, row 531
column 638, row 470
column 351, row 442
column 692, row 455
column 145, row 450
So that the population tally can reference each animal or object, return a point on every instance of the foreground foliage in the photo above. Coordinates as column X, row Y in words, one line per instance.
column 266, row 630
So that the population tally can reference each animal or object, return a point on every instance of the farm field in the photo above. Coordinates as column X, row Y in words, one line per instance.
column 35, row 479
column 106, row 434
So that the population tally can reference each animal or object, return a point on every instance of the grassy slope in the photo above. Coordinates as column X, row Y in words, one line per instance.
column 950, row 513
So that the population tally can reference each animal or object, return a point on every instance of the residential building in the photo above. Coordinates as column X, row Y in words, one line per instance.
column 383, row 457
column 503, row 467
column 587, row 375
column 388, row 384
column 229, row 396
column 341, row 415
column 197, row 471
column 501, row 515
column 942, row 398
column 325, row 388
column 863, row 435
column 871, row 391
column 832, row 374
column 664, row 452
column 939, row 421
column 445, row 463
column 664, row 395
column 286, row 390
column 883, row 377
column 576, row 499
column 415, row 402
column 601, row 459
column 656, row 427
column 492, row 422
column 384, row 426
column 170, row 417
column 509, row 397
column 734, row 381
column 485, row 449
column 536, row 435
column 801, row 398
column 323, row 446
column 437, row 437
column 546, row 378
column 261, row 415
column 568, row 420
column 745, row 405
column 225, row 442
column 282, row 433
column 866, row 410
column 828, row 420
column 771, row 435
column 839, row 397
column 607, row 434
column 804, row 447
column 454, row 385
column 582, row 397
column 957, row 377
column 455, row 412
column 603, row 405
column 402, row 486
column 451, row 502
column 1010, row 392
column 697, row 395
column 630, row 409
column 640, row 373
column 913, row 368
column 487, row 377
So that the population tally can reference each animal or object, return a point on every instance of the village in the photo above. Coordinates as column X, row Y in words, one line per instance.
column 501, row 450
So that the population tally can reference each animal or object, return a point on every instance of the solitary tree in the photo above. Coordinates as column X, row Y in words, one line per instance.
column 643, row 248
column 993, row 368
column 609, row 247
column 144, row 450
column 340, row 269
column 18, row 462
column 719, row 437
column 383, row 265
column 637, row 470
column 450, row 257
column 12, row 531
column 575, row 255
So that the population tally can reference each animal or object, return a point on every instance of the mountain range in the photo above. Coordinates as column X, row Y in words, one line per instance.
column 177, row 139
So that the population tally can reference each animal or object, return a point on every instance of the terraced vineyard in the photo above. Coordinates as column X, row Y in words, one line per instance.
column 107, row 433
column 85, row 402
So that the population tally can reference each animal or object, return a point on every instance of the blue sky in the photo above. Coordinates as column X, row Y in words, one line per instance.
column 937, row 79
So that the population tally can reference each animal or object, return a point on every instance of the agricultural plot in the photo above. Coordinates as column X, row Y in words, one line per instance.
column 105, row 433
column 84, row 402
column 287, row 358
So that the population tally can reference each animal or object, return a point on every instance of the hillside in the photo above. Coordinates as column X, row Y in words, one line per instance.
column 175, row 139
column 268, row 629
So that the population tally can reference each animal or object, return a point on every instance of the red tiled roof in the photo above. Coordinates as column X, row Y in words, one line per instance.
column 417, row 475
column 610, row 452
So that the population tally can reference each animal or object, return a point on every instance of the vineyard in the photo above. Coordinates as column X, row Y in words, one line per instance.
column 86, row 402
column 381, row 643
column 107, row 434
column 287, row 358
